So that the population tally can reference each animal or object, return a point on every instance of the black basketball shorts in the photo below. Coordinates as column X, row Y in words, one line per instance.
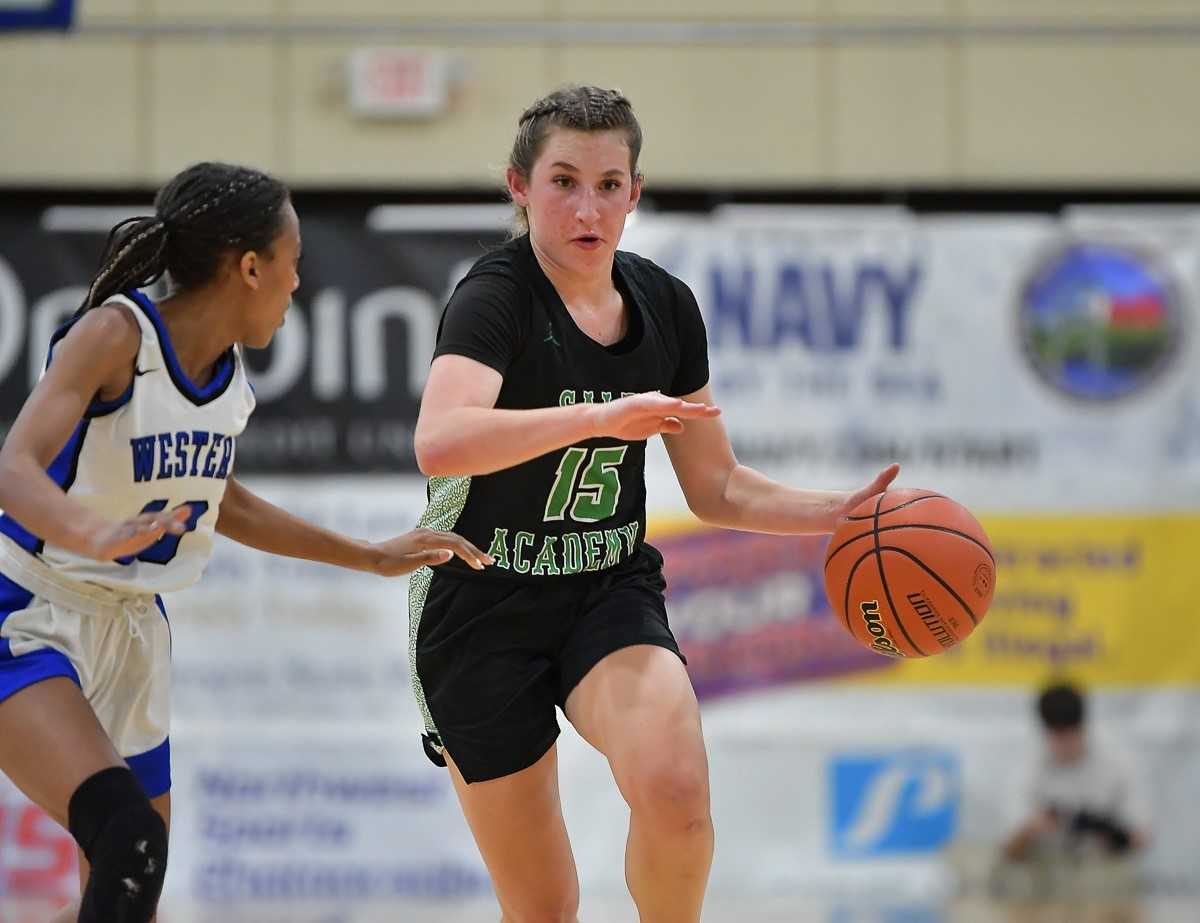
column 492, row 658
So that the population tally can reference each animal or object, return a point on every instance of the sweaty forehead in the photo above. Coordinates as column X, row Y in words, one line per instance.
column 591, row 151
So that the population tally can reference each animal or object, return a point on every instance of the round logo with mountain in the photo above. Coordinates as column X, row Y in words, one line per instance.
column 1099, row 321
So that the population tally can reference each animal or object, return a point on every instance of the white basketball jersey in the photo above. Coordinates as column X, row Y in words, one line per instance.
column 163, row 443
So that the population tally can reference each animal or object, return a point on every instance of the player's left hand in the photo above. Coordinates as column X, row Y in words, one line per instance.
column 423, row 548
column 877, row 486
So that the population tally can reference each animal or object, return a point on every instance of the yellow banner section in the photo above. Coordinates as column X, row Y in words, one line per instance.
column 1108, row 600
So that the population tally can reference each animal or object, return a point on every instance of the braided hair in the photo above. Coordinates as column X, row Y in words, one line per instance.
column 203, row 213
column 578, row 108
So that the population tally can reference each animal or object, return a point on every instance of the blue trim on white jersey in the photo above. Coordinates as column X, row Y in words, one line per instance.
column 65, row 466
column 222, row 373
column 17, row 673
column 98, row 407
column 13, row 598
column 153, row 769
column 19, row 534
column 60, row 332
column 62, row 472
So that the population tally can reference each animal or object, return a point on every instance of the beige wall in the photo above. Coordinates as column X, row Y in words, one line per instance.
column 122, row 109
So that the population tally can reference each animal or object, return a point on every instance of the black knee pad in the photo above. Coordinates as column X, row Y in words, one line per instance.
column 125, row 840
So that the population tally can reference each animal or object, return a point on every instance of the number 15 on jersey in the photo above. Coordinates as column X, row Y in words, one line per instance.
column 594, row 497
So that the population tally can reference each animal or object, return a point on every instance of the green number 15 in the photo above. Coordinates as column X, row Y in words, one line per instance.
column 599, row 486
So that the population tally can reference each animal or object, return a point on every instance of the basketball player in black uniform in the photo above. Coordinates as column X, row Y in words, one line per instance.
column 557, row 358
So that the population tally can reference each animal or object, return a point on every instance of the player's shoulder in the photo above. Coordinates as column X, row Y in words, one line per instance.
column 111, row 329
column 638, row 268
column 506, row 264
column 494, row 282
column 636, row 264
column 660, row 290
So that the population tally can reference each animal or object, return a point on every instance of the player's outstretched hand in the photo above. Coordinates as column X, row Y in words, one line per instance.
column 641, row 416
column 877, row 486
column 120, row 539
column 421, row 547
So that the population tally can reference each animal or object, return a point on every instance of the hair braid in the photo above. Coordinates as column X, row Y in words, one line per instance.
column 134, row 255
column 200, row 215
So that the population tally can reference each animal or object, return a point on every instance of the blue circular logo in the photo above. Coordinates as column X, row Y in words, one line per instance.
column 1099, row 321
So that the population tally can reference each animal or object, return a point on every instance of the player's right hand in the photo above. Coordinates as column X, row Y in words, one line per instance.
column 117, row 540
column 424, row 548
column 641, row 416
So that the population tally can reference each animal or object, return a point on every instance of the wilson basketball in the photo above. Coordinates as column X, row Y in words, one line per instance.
column 910, row 573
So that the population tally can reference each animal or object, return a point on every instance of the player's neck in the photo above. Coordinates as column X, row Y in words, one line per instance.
column 198, row 324
column 592, row 288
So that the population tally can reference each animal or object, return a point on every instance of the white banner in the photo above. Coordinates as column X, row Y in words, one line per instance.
column 1015, row 363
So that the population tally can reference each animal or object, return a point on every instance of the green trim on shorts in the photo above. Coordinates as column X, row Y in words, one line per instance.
column 447, row 500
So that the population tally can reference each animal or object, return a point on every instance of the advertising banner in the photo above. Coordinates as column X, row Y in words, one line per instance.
column 1040, row 370
column 1019, row 363
column 338, row 388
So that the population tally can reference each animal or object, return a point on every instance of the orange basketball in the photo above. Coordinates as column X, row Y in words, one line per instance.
column 910, row 573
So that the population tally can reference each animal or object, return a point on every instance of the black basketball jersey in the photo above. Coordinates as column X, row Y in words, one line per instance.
column 582, row 508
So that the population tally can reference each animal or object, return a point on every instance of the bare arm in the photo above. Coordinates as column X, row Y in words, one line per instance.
column 460, row 431
column 96, row 355
column 722, row 492
column 1018, row 846
column 250, row 520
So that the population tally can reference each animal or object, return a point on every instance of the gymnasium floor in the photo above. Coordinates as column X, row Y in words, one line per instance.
column 766, row 910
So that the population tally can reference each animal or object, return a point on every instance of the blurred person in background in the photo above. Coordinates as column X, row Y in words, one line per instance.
column 1080, row 799
column 113, row 480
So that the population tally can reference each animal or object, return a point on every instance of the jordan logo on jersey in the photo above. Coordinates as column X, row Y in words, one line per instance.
column 187, row 453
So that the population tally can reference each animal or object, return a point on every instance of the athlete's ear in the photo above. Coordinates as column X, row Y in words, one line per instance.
column 635, row 193
column 518, row 186
column 248, row 269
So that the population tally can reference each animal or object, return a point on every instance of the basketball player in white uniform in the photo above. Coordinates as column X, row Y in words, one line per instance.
column 113, row 480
